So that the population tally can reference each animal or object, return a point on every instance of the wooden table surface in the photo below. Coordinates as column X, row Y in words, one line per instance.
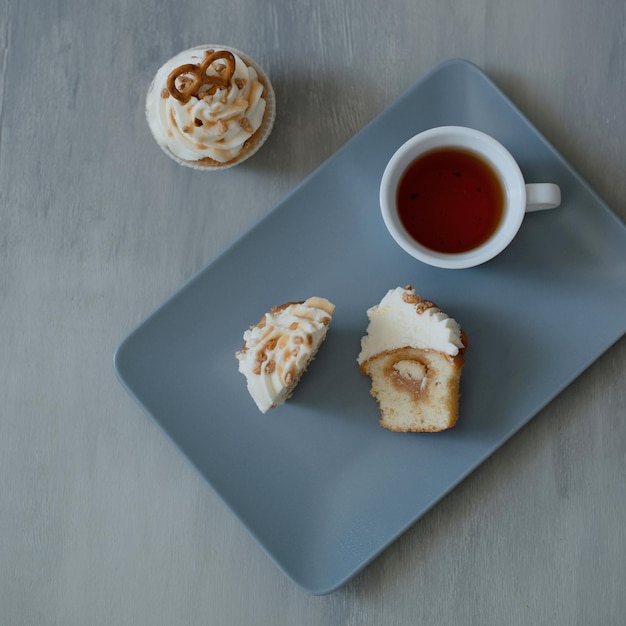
column 102, row 521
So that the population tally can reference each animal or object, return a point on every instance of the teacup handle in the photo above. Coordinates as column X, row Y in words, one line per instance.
column 540, row 196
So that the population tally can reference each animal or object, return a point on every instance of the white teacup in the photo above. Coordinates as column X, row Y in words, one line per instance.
column 517, row 197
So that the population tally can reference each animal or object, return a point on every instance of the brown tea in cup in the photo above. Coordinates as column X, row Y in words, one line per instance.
column 450, row 200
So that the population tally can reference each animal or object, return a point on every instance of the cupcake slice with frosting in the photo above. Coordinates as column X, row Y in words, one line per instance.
column 413, row 352
column 277, row 351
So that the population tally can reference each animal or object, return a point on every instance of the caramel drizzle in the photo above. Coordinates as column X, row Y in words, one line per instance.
column 273, row 340
column 200, row 76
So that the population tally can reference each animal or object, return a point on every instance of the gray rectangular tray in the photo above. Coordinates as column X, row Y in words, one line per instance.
column 317, row 482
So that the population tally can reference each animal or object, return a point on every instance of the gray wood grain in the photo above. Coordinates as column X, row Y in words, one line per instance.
column 101, row 519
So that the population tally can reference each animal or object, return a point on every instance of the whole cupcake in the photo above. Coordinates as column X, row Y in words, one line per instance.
column 210, row 107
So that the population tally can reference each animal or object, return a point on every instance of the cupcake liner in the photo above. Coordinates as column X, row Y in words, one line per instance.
column 257, row 140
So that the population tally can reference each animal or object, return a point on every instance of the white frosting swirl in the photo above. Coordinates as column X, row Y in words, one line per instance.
column 403, row 319
column 278, row 349
column 215, row 126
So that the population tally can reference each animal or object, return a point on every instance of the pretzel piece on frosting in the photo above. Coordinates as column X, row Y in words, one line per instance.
column 200, row 76
column 188, row 90
column 224, row 77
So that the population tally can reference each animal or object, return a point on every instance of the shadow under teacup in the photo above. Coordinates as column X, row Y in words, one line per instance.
column 454, row 197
